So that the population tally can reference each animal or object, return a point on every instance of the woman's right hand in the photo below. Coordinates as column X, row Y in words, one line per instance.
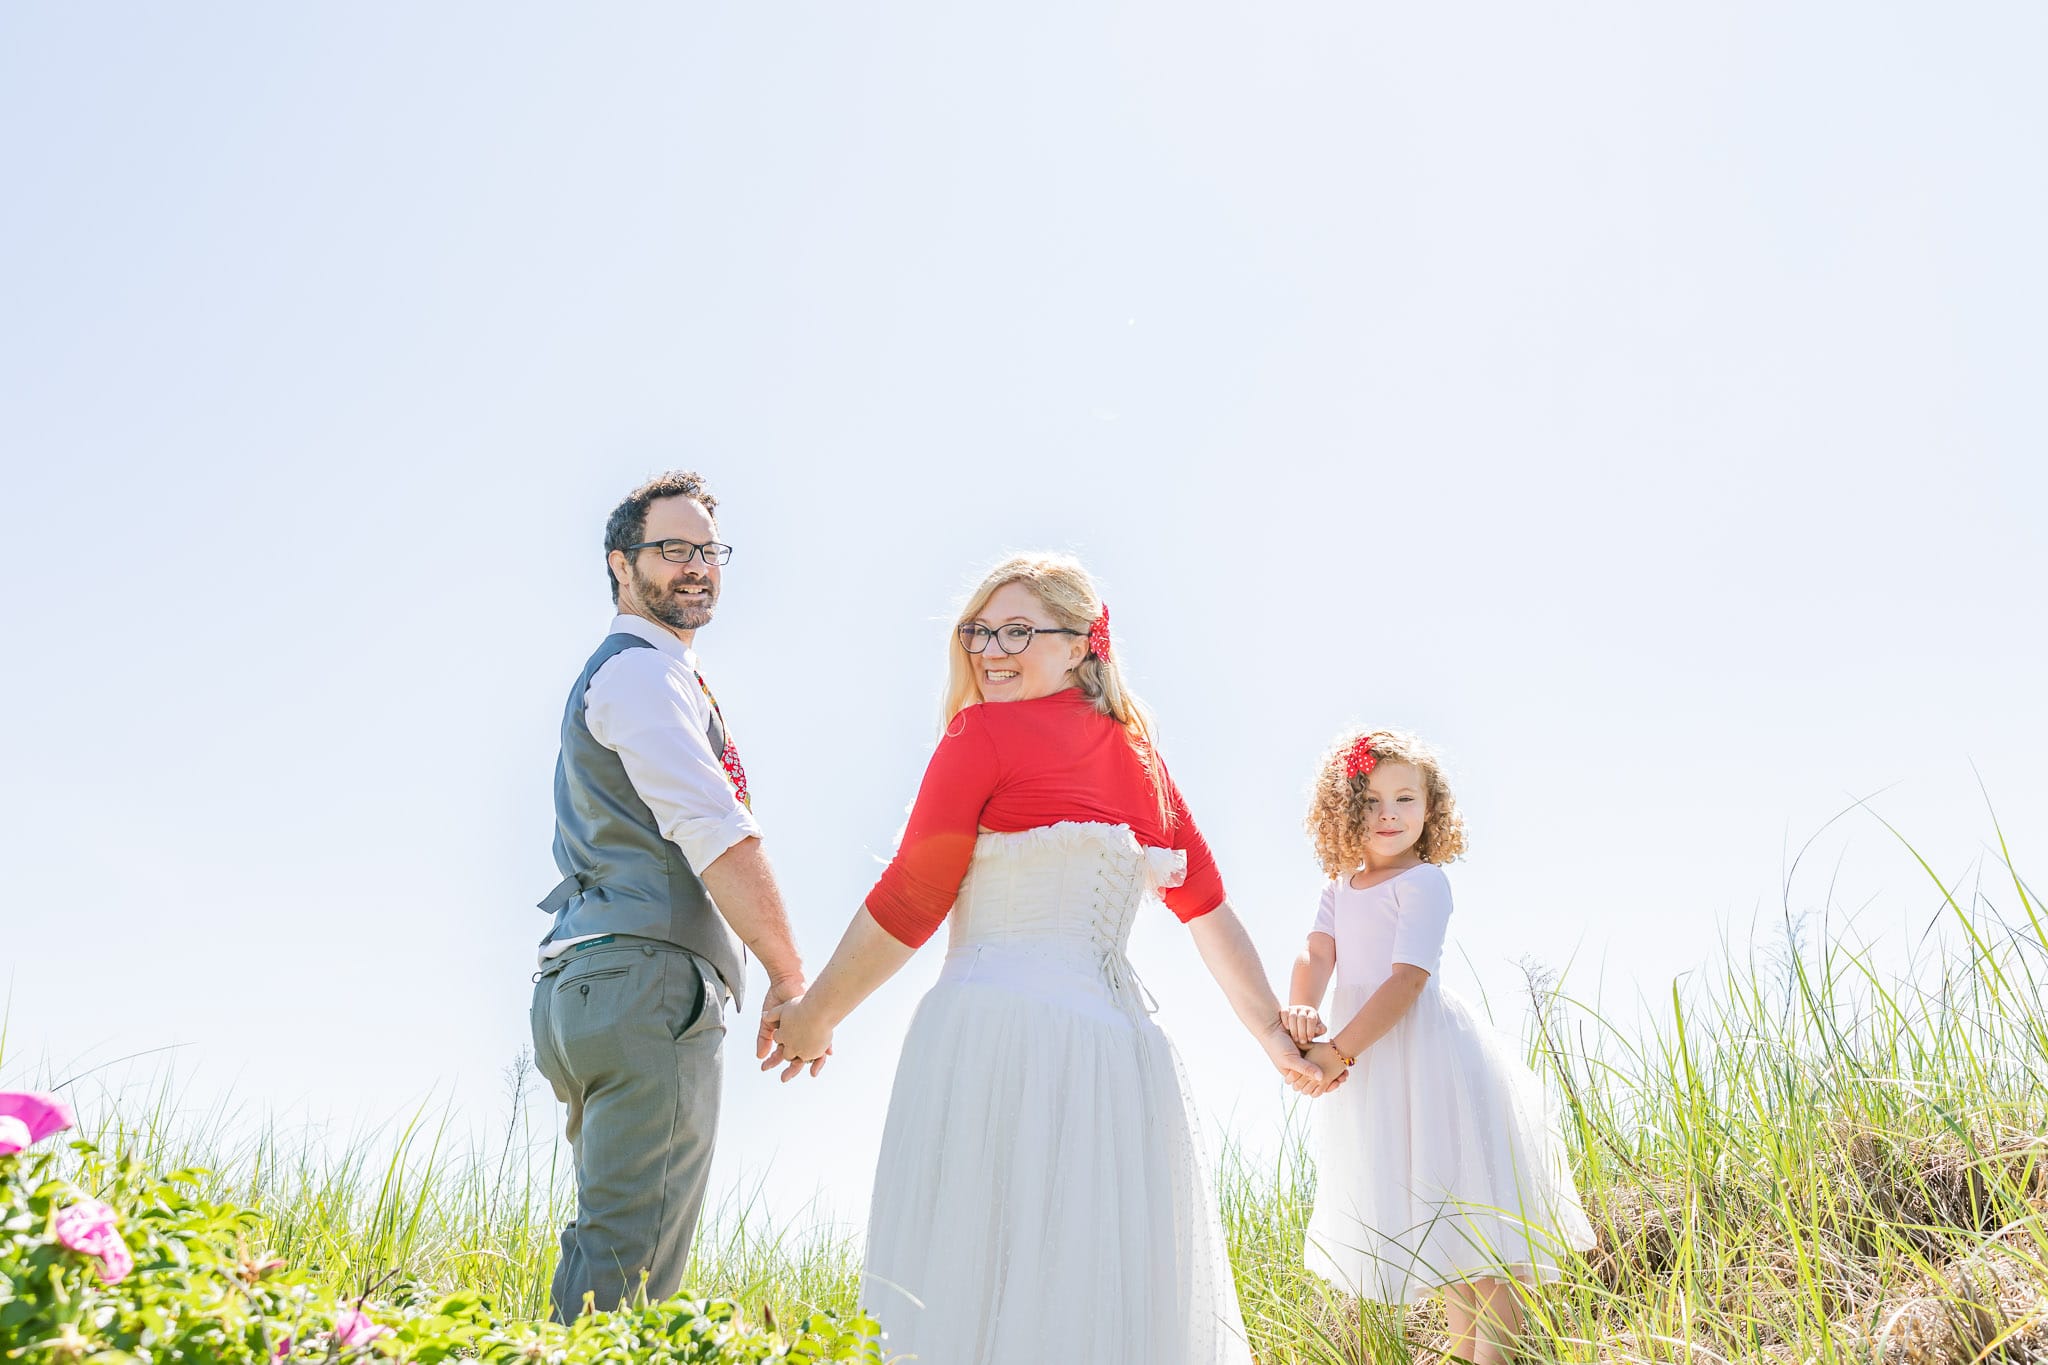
column 1299, row 1073
column 1303, row 1024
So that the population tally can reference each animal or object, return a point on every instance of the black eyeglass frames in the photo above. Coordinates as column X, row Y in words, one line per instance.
column 681, row 551
column 1009, row 639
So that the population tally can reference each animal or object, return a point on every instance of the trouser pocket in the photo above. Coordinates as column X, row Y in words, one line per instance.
column 598, row 1009
column 582, row 984
column 695, row 995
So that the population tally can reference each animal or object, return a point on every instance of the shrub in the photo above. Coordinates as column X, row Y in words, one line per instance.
column 118, row 1265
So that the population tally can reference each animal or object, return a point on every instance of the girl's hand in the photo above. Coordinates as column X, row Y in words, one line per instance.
column 1302, row 1023
column 1323, row 1057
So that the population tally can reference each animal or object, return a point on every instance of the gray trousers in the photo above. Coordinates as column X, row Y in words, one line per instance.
column 630, row 1035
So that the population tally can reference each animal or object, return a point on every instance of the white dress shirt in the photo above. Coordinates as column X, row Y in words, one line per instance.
column 648, row 707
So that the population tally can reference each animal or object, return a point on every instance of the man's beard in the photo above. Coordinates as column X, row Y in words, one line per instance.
column 660, row 602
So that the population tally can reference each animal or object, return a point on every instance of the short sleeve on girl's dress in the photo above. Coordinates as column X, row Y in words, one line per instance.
column 1423, row 900
column 1326, row 912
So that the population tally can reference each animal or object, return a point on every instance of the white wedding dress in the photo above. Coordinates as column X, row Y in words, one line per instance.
column 1040, row 1194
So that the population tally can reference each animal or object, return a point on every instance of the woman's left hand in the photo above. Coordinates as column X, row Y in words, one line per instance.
column 1296, row 1070
column 800, row 1039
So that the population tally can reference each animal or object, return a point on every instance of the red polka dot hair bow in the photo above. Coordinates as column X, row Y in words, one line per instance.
column 1098, row 635
column 1359, row 759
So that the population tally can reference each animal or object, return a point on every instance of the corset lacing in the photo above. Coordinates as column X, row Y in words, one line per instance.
column 1117, row 896
column 1069, row 893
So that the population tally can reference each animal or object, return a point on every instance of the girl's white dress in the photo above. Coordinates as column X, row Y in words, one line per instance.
column 1440, row 1159
column 1040, row 1194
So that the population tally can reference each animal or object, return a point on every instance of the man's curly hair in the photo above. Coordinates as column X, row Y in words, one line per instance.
column 1337, row 819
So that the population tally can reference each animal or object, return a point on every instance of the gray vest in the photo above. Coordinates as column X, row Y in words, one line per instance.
column 619, row 874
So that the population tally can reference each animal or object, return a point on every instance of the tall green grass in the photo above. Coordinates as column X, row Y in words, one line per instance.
column 1803, row 1157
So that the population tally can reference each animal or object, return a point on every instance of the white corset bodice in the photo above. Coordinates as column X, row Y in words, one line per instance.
column 1060, row 899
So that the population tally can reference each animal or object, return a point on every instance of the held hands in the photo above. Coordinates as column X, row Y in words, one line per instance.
column 1323, row 1057
column 1299, row 1073
column 1303, row 1024
column 790, row 1050
column 1327, row 1073
column 780, row 992
column 800, row 1039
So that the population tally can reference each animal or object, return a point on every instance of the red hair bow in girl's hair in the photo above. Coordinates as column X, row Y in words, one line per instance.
column 1360, row 759
column 1098, row 635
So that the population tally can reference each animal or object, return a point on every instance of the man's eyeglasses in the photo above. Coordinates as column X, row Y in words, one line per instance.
column 680, row 551
column 1009, row 639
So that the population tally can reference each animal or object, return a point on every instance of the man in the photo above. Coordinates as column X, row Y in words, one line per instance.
column 663, row 880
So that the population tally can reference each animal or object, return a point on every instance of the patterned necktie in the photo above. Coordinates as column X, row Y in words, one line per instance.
column 730, row 758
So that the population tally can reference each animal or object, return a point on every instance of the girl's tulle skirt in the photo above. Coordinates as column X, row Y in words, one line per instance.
column 1439, row 1161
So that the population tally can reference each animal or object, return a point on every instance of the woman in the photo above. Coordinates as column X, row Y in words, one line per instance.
column 1039, row 1194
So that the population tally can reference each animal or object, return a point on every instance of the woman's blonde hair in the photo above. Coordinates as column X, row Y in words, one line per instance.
column 1068, row 595
column 1337, row 818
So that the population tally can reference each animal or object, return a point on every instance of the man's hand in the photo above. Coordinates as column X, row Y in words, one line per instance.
column 1303, row 1024
column 800, row 1040
column 780, row 993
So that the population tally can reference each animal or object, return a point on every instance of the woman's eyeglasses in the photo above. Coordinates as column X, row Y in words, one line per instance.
column 1009, row 639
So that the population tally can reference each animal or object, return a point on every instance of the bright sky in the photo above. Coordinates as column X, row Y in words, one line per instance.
column 1643, row 403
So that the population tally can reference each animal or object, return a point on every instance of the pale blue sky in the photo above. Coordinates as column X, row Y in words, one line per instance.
column 1645, row 404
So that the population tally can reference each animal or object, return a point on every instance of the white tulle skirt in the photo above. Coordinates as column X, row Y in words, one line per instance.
column 1040, row 1194
column 1438, row 1161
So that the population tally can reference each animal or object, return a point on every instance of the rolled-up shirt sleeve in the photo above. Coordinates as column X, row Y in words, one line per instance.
column 923, row 879
column 645, row 707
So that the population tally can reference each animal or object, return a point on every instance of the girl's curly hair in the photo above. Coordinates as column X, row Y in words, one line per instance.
column 1337, row 820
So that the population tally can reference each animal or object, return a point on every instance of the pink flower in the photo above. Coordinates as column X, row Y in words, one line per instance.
column 88, row 1228
column 116, row 1261
column 354, row 1328
column 26, row 1118
column 284, row 1348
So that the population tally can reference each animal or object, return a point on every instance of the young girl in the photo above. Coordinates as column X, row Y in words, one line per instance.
column 1438, row 1164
